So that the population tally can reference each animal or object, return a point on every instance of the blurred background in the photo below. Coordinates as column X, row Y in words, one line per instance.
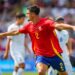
column 53, row 8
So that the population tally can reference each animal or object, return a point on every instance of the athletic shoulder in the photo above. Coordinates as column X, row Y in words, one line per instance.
column 49, row 22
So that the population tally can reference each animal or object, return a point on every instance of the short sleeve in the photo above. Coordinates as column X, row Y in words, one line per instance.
column 50, row 24
column 24, row 29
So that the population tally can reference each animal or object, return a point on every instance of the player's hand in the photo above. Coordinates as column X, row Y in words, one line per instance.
column 74, row 28
column 5, row 55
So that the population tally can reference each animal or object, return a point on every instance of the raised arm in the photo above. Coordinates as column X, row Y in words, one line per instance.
column 11, row 33
column 64, row 26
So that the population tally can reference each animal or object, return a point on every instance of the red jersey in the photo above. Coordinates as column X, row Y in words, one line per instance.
column 43, row 37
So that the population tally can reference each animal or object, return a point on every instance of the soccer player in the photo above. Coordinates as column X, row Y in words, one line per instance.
column 16, row 45
column 44, row 41
column 63, row 38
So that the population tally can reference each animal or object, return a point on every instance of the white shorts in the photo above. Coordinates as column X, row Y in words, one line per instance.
column 18, row 54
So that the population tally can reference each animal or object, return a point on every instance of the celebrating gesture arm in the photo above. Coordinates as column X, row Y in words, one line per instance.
column 11, row 33
column 64, row 26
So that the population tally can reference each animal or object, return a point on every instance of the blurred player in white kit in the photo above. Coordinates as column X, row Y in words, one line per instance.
column 16, row 45
column 63, row 37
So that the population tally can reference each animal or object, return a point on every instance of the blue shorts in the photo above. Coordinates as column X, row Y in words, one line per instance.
column 55, row 62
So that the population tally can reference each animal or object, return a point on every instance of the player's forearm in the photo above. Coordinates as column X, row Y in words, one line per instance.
column 8, row 45
column 69, row 45
column 12, row 33
column 64, row 26
column 7, row 51
column 4, row 34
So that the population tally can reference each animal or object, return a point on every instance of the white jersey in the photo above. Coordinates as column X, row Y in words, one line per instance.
column 17, row 48
column 18, row 39
column 63, row 37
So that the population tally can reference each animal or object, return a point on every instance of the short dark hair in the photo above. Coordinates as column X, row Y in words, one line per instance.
column 59, row 19
column 34, row 9
column 20, row 15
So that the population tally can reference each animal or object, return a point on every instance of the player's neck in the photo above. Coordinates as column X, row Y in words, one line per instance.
column 36, row 20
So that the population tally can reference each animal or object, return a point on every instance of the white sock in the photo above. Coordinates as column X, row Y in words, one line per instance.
column 20, row 71
column 14, row 73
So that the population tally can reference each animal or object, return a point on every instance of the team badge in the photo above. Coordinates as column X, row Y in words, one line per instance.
column 40, row 28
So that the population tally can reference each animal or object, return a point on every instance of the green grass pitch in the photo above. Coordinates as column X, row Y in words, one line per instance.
column 26, row 73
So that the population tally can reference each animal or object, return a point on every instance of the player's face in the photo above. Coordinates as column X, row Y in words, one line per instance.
column 30, row 15
column 20, row 20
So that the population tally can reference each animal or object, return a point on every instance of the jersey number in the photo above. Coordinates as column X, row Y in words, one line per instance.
column 36, row 35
